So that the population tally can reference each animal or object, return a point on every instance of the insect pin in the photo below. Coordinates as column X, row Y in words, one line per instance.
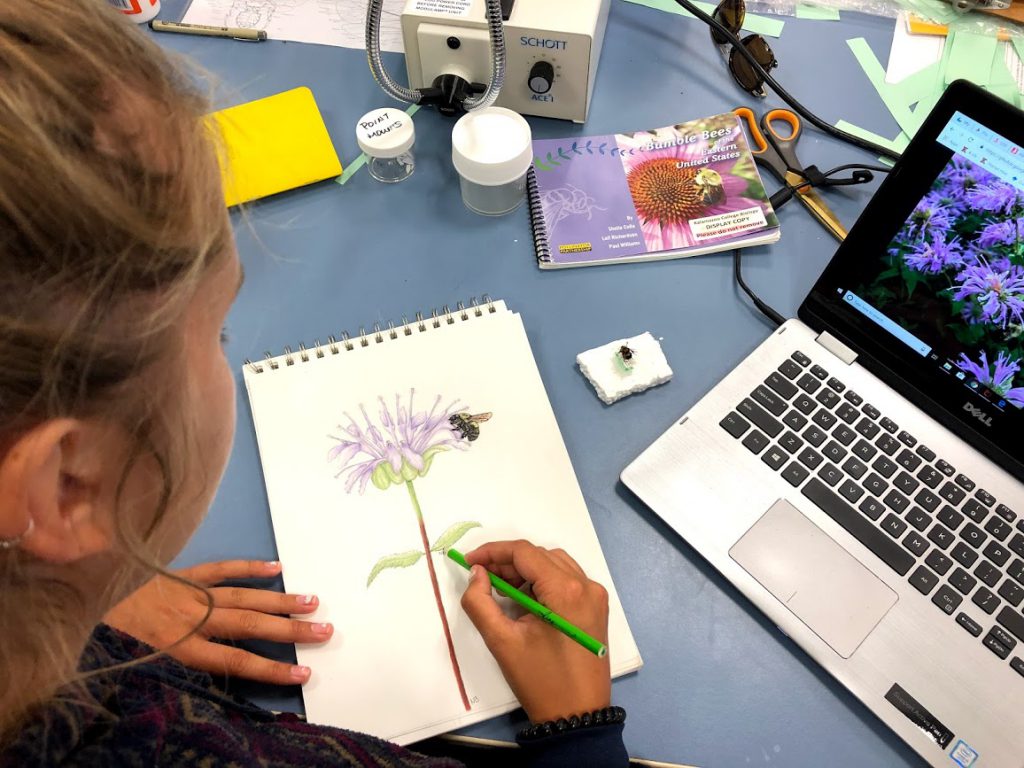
column 626, row 358
column 709, row 185
column 468, row 425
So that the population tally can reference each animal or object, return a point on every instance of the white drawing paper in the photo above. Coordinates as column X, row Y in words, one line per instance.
column 500, row 471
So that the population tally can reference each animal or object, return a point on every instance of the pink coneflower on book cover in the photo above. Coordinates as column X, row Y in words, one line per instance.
column 677, row 191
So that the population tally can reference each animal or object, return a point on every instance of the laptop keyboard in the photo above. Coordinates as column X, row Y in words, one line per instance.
column 953, row 541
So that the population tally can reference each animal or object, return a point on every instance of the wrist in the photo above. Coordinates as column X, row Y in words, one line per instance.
column 602, row 716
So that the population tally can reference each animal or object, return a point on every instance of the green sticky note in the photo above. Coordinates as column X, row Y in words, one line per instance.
column 899, row 109
column 933, row 10
column 896, row 145
column 970, row 57
column 1018, row 46
column 915, row 87
column 816, row 12
column 761, row 25
column 1001, row 82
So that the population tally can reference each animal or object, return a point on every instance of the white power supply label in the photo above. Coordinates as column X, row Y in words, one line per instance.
column 447, row 7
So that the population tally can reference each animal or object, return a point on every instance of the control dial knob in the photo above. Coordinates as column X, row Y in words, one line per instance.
column 542, row 75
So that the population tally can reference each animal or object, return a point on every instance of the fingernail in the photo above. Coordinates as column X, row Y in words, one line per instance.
column 300, row 673
column 273, row 564
column 305, row 599
column 475, row 571
column 322, row 629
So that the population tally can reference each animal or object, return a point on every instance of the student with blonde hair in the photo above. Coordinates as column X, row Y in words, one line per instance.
column 116, row 420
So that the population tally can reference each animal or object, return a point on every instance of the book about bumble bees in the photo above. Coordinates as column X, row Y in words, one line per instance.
column 672, row 192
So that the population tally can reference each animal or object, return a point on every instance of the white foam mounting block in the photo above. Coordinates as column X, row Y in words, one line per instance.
column 611, row 380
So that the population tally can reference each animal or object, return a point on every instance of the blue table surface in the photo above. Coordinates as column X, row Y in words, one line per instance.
column 721, row 686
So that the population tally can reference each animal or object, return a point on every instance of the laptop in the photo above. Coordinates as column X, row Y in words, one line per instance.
column 859, row 476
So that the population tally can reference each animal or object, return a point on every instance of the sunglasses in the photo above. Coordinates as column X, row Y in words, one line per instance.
column 730, row 14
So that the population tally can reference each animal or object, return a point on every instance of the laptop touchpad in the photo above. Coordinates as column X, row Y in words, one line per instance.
column 818, row 580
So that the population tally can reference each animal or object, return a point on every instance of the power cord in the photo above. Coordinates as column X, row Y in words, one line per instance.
column 765, row 309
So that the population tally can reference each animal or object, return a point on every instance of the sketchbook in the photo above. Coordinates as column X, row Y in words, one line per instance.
column 379, row 453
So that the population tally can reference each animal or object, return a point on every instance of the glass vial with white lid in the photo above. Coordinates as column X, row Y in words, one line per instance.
column 139, row 11
column 386, row 137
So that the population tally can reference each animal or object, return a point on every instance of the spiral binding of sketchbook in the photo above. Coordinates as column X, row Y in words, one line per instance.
column 541, row 243
column 334, row 345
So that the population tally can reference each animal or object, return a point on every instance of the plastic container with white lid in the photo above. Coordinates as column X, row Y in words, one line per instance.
column 492, row 149
column 386, row 136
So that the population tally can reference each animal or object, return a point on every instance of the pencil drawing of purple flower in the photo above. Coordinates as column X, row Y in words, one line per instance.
column 397, row 449
column 993, row 293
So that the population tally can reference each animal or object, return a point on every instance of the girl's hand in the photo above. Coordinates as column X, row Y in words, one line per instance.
column 163, row 611
column 551, row 675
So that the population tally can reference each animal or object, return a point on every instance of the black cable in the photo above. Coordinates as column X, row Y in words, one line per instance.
column 766, row 310
column 799, row 108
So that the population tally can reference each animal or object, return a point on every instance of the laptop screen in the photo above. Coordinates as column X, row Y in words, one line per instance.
column 929, row 286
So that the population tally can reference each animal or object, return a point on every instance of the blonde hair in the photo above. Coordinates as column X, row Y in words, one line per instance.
column 110, row 216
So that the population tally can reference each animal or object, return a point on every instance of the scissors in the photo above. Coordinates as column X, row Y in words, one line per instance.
column 778, row 154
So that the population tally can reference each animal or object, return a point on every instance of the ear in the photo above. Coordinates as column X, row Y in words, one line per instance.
column 55, row 491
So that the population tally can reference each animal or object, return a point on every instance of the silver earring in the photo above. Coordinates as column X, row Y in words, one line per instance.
column 13, row 543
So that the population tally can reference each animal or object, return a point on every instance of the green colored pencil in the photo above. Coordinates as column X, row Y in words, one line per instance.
column 546, row 614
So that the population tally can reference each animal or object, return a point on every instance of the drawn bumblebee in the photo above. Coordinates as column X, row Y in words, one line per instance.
column 468, row 425
column 709, row 185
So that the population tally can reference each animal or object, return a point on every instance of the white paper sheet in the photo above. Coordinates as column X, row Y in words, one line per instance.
column 387, row 670
column 327, row 22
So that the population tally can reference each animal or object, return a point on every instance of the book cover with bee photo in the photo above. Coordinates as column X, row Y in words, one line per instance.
column 671, row 192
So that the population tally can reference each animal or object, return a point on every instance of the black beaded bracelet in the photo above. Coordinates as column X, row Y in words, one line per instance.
column 606, row 716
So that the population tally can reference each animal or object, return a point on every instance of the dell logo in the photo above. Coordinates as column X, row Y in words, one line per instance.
column 542, row 42
column 979, row 414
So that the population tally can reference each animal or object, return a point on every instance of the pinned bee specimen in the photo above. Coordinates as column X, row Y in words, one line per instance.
column 468, row 425
column 709, row 185
column 626, row 358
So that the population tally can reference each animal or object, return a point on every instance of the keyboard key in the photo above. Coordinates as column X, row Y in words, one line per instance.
column 950, row 517
column 824, row 419
column 1017, row 665
column 808, row 384
column 873, row 508
column 930, row 477
column 940, row 536
column 867, row 427
column 928, row 500
column 836, row 384
column 896, row 501
column 986, row 600
column 791, row 442
column 804, row 404
column 916, row 543
column 830, row 474
column 1016, row 571
column 870, row 411
column 925, row 452
column 884, row 467
column 907, row 439
column 947, row 598
column 834, row 451
column 964, row 555
column 853, row 397
column 888, row 425
column 952, row 494
column 854, row 468
column 1017, row 544
column 755, row 442
column 1013, row 621
column 760, row 417
column 905, row 483
column 918, row 518
column 820, row 372
column 794, row 474
column 998, row 527
column 997, row 553
column 875, row 484
column 844, row 434
column 988, row 573
column 995, row 646
column 893, row 526
column 865, row 450
column 963, row 581
column 795, row 420
column 774, row 457
column 973, row 535
column 888, row 444
column 908, row 460
column 852, row 492
column 891, row 553
column 847, row 413
column 1006, row 513
column 938, row 562
column 827, row 398
column 782, row 386
column 1011, row 592
column 770, row 400
column 734, row 424
column 814, row 436
column 969, row 624
column 810, row 458
column 974, row 510
column 801, row 358
column 924, row 581
column 1003, row 636
column 964, row 482
column 945, row 467
column 789, row 369
column 985, row 497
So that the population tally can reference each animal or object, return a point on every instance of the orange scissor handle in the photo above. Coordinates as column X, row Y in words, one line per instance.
column 747, row 115
column 782, row 116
